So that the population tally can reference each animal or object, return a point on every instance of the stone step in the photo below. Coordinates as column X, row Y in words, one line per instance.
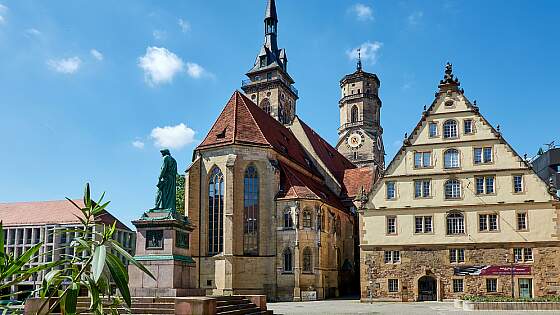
column 251, row 310
column 225, row 308
column 83, row 306
column 233, row 302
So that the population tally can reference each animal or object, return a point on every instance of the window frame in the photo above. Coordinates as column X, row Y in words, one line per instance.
column 522, row 184
column 423, row 187
column 461, row 226
column 393, row 285
column 251, row 210
column 460, row 189
column 288, row 220
column 287, row 252
column 391, row 257
column 388, row 227
column 455, row 285
column 465, row 126
column 526, row 221
column 422, row 155
column 394, row 189
column 495, row 285
column 523, row 253
column 307, row 219
column 436, row 125
column 307, row 267
column 423, row 224
column 487, row 222
column 457, row 255
column 456, row 129
column 215, row 236
column 485, row 185
column 458, row 159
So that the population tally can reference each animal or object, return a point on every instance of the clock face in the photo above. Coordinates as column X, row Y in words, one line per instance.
column 355, row 140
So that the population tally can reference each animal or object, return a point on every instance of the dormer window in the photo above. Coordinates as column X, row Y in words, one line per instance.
column 263, row 61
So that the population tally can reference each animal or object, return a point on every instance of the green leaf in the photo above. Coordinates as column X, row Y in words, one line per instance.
column 21, row 261
column 71, row 299
column 98, row 261
column 131, row 259
column 120, row 276
column 87, row 196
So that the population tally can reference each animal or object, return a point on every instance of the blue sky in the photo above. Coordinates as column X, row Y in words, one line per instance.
column 89, row 90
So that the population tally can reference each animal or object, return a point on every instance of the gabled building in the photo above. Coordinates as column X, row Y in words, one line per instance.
column 458, row 212
column 271, row 199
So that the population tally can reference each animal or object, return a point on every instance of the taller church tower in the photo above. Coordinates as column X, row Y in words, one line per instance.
column 360, row 136
column 269, row 84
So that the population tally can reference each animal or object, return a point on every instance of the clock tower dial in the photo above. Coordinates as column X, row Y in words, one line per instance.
column 355, row 140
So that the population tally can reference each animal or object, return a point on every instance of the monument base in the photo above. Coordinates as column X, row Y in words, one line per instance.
column 162, row 246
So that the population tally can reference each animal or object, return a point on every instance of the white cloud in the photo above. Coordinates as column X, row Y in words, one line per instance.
column 96, row 54
column 159, row 35
column 196, row 71
column 172, row 137
column 32, row 32
column 184, row 25
column 65, row 65
column 160, row 65
column 368, row 50
column 415, row 17
column 362, row 12
column 138, row 144
column 3, row 11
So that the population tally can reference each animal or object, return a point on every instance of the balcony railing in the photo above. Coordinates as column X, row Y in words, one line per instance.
column 247, row 82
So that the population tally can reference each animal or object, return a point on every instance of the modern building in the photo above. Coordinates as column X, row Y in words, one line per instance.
column 271, row 199
column 547, row 166
column 29, row 223
column 458, row 212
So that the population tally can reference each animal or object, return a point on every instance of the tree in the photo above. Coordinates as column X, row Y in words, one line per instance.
column 180, row 196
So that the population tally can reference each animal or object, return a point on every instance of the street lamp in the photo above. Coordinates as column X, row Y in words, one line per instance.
column 512, row 273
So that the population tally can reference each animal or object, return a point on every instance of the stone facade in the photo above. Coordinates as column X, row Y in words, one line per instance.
column 458, row 205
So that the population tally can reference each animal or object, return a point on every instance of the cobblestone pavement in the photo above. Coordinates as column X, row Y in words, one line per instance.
column 355, row 307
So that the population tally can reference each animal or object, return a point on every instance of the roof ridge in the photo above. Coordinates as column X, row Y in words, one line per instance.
column 243, row 98
column 236, row 96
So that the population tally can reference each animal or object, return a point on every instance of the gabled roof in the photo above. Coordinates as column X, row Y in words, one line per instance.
column 299, row 186
column 356, row 178
column 243, row 122
column 49, row 212
column 336, row 163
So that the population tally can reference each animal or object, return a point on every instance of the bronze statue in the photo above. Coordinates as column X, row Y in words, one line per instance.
column 166, row 186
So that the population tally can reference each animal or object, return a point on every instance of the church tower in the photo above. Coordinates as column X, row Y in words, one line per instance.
column 360, row 136
column 269, row 84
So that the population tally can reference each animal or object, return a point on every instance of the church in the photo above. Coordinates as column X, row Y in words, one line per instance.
column 272, row 201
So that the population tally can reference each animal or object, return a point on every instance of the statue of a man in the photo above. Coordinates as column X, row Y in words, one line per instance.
column 166, row 186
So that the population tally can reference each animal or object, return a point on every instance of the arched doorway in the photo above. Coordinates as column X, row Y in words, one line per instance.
column 427, row 289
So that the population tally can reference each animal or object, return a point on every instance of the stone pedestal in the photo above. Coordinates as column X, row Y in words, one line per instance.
column 162, row 246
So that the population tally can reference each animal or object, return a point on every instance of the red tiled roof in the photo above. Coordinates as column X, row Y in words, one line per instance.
column 243, row 122
column 333, row 160
column 297, row 185
column 355, row 179
column 48, row 212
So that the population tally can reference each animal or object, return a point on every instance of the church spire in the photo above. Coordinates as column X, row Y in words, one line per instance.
column 359, row 65
column 271, row 27
column 271, row 11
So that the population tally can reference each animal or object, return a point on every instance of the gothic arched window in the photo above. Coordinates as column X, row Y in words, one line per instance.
column 215, row 212
column 306, row 218
column 450, row 129
column 287, row 260
column 337, row 226
column 307, row 260
column 288, row 222
column 251, row 211
column 451, row 158
column 281, row 113
column 265, row 105
column 354, row 114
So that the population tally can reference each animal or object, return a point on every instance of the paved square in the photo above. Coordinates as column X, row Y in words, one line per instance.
column 355, row 307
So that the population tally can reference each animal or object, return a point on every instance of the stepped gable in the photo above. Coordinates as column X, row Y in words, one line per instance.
column 299, row 186
column 243, row 122
column 356, row 178
column 333, row 160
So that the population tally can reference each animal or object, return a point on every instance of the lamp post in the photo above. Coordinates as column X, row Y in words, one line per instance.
column 512, row 274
